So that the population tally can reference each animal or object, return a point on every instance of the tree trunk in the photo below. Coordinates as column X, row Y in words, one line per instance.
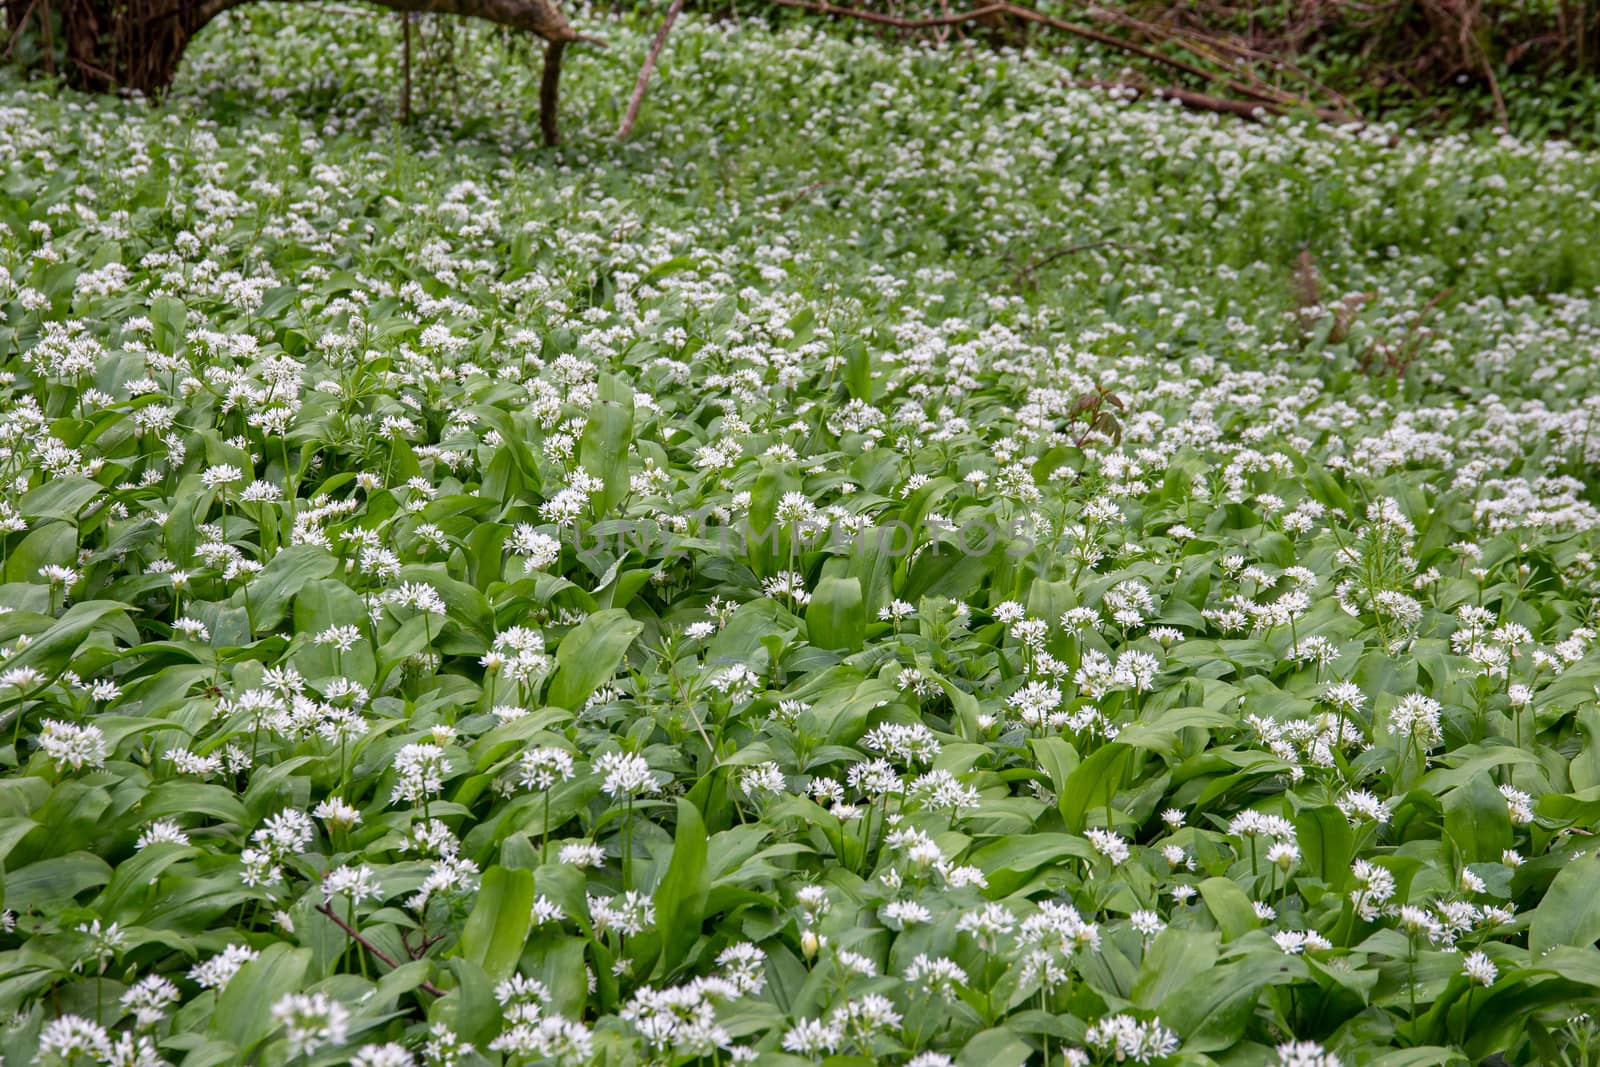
column 137, row 44
column 549, row 91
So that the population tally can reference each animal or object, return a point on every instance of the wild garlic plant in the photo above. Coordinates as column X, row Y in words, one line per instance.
column 905, row 560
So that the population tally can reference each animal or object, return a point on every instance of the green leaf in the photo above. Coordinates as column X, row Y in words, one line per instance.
column 590, row 655
column 1094, row 783
column 603, row 450
column 1057, row 758
column 765, row 536
column 470, row 1008
column 1584, row 771
column 1567, row 915
column 1175, row 956
column 168, row 317
column 994, row 1048
column 836, row 618
column 325, row 603
column 857, row 368
column 52, row 651
column 59, row 498
column 1230, row 906
column 1327, row 843
column 497, row 929
column 680, row 898
column 1421, row 1056
column 1006, row 863
column 244, row 1010
column 287, row 573
column 1477, row 820
column 1212, row 1009
column 55, row 882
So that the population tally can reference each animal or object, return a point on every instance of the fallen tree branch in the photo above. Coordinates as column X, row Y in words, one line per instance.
column 1266, row 93
column 378, row 954
column 1191, row 40
column 820, row 7
column 1246, row 109
column 635, row 101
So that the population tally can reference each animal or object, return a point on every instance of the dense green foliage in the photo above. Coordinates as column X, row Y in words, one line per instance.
column 903, row 562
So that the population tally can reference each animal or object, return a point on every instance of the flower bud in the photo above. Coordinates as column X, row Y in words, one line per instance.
column 809, row 943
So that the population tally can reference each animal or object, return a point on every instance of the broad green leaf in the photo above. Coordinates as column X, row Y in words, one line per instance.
column 590, row 655
column 56, row 881
column 1175, row 956
column 1567, row 914
column 998, row 1047
column 1327, row 843
column 1094, row 784
column 244, row 1009
column 1211, row 1010
column 1230, row 906
column 680, row 898
column 497, row 929
column 603, row 450
column 836, row 618
column 1477, row 820
column 268, row 594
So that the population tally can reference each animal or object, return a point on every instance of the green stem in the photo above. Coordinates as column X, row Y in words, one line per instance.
column 544, row 843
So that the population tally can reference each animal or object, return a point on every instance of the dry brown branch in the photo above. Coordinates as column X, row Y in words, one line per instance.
column 1026, row 273
column 656, row 45
column 1245, row 109
column 377, row 953
column 1278, row 98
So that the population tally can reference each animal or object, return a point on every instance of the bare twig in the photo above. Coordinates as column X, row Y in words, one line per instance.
column 421, row 950
column 377, row 953
column 1488, row 72
column 803, row 193
column 1025, row 273
column 656, row 45
column 16, row 30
